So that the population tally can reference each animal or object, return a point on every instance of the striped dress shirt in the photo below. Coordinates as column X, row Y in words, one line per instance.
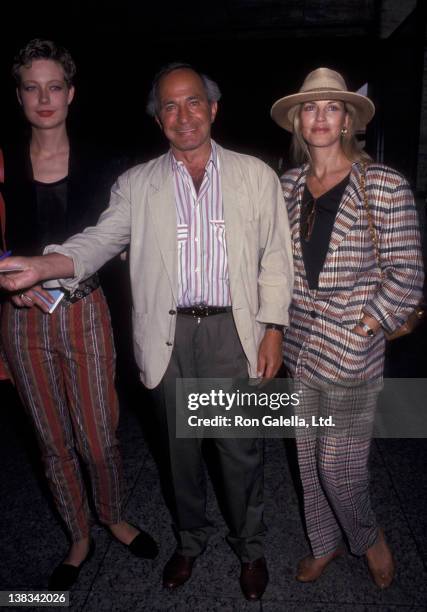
column 202, row 252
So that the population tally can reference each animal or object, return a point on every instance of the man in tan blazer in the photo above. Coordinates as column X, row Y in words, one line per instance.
column 211, row 276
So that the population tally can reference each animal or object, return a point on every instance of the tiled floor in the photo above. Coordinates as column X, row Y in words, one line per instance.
column 33, row 542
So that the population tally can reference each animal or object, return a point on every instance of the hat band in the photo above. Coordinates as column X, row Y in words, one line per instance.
column 323, row 89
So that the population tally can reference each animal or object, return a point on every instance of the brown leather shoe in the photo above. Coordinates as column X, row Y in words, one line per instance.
column 310, row 569
column 254, row 579
column 380, row 562
column 177, row 570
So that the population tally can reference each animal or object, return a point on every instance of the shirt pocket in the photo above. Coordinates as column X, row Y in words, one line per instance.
column 182, row 234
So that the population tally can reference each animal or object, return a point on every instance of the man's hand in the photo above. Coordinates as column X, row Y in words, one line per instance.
column 32, row 271
column 32, row 297
column 26, row 274
column 270, row 354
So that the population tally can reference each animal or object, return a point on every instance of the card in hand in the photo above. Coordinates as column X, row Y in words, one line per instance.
column 57, row 294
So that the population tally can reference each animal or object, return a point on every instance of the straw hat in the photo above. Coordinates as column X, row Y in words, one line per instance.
column 322, row 84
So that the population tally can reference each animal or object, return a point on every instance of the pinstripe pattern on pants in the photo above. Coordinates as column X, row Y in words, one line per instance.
column 334, row 466
column 64, row 367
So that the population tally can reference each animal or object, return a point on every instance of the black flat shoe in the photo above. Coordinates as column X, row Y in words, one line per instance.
column 143, row 546
column 64, row 576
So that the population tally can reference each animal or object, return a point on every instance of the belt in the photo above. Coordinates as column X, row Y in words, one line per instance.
column 83, row 289
column 200, row 310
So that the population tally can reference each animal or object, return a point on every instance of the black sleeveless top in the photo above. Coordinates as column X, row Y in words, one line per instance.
column 51, row 211
column 314, row 250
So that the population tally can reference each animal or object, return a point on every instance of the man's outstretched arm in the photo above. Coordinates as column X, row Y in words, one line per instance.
column 81, row 255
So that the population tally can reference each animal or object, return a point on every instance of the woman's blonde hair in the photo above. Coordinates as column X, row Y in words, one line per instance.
column 39, row 48
column 351, row 147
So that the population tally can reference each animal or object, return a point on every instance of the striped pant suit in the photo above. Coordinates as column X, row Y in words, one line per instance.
column 337, row 371
column 63, row 367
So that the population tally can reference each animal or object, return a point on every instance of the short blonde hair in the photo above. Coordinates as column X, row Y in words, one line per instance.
column 350, row 145
column 39, row 48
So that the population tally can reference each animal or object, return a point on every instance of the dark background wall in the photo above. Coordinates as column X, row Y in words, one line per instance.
column 257, row 50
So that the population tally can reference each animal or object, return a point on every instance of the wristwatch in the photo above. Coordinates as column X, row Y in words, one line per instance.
column 369, row 331
column 274, row 326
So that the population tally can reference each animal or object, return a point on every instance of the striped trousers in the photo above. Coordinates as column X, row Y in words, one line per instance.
column 333, row 465
column 63, row 366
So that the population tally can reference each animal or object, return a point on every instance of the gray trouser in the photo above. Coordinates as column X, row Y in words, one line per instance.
column 209, row 348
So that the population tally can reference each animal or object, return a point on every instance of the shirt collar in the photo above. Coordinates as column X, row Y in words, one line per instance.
column 213, row 159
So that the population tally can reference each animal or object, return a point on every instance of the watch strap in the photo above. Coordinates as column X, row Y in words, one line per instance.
column 274, row 326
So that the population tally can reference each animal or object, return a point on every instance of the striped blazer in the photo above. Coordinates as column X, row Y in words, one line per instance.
column 319, row 343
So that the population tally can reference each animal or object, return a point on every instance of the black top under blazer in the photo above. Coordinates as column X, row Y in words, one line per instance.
column 91, row 175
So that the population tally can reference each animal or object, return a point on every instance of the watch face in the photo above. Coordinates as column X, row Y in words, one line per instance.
column 366, row 328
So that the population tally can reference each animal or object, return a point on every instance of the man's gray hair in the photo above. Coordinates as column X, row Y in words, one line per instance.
column 212, row 90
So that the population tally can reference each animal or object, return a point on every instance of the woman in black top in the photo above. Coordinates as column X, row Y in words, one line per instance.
column 63, row 363
column 344, row 301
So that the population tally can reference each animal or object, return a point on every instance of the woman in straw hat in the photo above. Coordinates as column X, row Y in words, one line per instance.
column 358, row 274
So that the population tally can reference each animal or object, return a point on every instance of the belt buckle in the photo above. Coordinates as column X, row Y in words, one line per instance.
column 199, row 311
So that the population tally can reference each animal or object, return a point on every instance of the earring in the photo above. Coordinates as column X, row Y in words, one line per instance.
column 344, row 131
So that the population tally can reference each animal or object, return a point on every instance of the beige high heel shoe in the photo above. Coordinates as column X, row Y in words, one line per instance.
column 310, row 569
column 380, row 562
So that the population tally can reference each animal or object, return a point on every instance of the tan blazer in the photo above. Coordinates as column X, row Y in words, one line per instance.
column 142, row 212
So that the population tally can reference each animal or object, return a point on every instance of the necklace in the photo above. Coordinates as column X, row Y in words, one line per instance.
column 308, row 217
